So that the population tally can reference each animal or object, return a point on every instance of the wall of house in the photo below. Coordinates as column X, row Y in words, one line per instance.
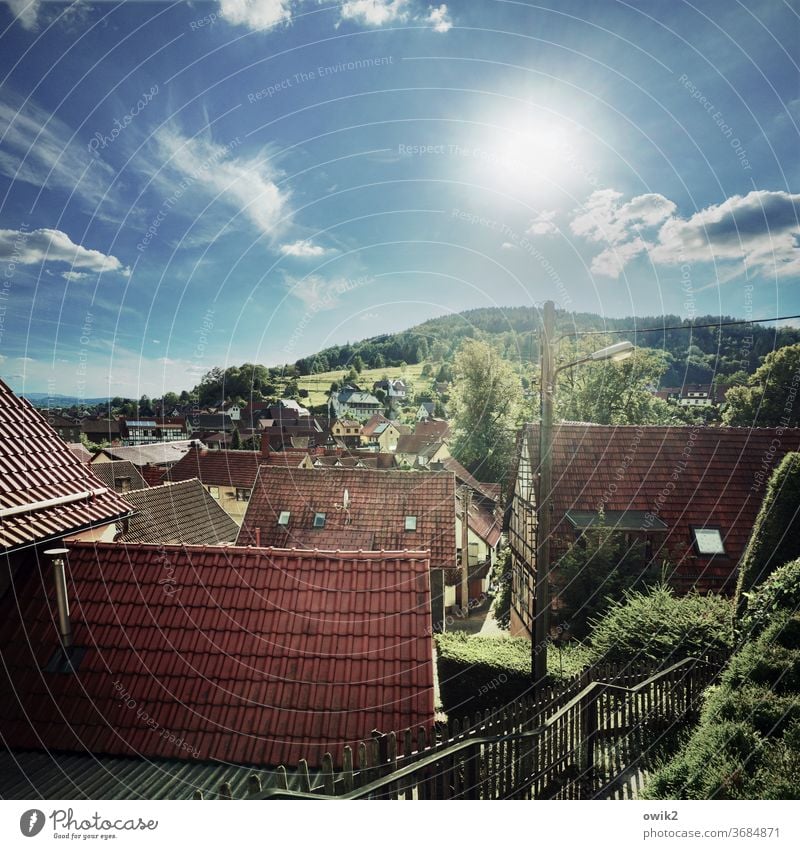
column 226, row 499
column 522, row 541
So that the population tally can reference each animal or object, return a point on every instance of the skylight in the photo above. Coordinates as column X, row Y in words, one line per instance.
column 708, row 541
column 411, row 523
column 319, row 520
column 283, row 519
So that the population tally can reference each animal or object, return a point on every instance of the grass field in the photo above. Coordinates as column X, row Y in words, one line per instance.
column 318, row 384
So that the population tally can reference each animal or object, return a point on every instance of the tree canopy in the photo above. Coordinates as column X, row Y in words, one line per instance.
column 485, row 408
column 769, row 399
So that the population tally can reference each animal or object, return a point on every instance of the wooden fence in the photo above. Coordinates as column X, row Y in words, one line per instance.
column 589, row 739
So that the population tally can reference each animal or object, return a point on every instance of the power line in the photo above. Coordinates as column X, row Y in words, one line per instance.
column 679, row 327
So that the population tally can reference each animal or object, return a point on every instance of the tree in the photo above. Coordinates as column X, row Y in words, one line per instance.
column 598, row 568
column 358, row 363
column 769, row 398
column 236, row 440
column 613, row 393
column 485, row 406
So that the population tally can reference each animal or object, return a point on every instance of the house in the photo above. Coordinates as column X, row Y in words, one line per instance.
column 433, row 429
column 47, row 493
column 206, row 655
column 120, row 475
column 80, row 451
column 488, row 493
column 68, row 429
column 180, row 513
column 352, row 460
column 162, row 455
column 394, row 389
column 484, row 535
column 689, row 494
column 228, row 476
column 695, row 394
column 354, row 404
column 369, row 427
column 419, row 451
column 100, row 430
column 358, row 509
column 348, row 431
column 202, row 423
column 425, row 410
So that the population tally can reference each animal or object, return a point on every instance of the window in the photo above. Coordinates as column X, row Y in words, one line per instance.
column 319, row 520
column 283, row 519
column 242, row 494
column 124, row 484
column 708, row 541
column 411, row 523
column 213, row 491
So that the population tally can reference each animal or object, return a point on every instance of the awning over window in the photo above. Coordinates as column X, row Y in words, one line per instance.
column 617, row 520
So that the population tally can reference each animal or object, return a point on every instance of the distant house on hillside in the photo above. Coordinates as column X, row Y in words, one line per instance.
column 355, row 404
column 394, row 389
column 689, row 494
column 348, row 431
column 694, row 394
column 425, row 410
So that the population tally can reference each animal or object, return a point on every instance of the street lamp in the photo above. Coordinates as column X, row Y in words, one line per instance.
column 549, row 373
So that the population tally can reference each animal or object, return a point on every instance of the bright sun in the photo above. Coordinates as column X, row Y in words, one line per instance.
column 533, row 155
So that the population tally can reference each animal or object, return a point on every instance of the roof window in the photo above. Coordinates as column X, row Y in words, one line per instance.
column 319, row 520
column 411, row 523
column 708, row 541
column 283, row 519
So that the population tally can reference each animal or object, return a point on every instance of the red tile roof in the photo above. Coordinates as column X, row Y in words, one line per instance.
column 432, row 429
column 685, row 476
column 482, row 521
column 250, row 656
column 217, row 468
column 490, row 491
column 36, row 465
column 379, row 501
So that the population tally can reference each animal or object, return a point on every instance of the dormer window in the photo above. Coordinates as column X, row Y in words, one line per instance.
column 283, row 519
column 411, row 523
column 319, row 520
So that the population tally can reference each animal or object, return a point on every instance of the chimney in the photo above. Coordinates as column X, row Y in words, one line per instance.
column 264, row 444
column 58, row 557
column 258, row 537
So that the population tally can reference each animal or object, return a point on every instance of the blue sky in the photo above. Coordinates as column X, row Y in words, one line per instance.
column 206, row 183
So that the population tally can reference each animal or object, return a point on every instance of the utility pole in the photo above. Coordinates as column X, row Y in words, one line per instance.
column 542, row 586
column 466, row 499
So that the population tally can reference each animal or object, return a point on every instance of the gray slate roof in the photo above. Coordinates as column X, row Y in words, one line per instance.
column 112, row 474
column 178, row 513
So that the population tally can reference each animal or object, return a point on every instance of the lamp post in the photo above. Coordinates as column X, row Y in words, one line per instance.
column 549, row 373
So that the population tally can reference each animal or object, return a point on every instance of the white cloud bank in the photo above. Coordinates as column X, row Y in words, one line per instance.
column 256, row 14
column 760, row 230
column 34, row 247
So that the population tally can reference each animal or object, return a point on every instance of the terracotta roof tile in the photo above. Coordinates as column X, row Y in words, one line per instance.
column 241, row 674
column 379, row 501
column 685, row 476
column 36, row 465
column 217, row 468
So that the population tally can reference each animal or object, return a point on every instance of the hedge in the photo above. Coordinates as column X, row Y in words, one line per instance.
column 780, row 591
column 747, row 745
column 775, row 538
column 659, row 626
column 479, row 672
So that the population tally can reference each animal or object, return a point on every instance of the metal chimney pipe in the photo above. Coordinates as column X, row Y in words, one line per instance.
column 58, row 557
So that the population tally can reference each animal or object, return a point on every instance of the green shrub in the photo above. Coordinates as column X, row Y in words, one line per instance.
column 479, row 672
column 501, row 578
column 599, row 567
column 780, row 591
column 775, row 538
column 747, row 744
column 659, row 626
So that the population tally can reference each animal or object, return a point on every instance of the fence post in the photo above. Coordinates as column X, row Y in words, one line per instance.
column 588, row 723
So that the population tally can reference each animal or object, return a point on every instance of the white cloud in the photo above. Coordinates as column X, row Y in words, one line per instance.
column 374, row 13
column 45, row 245
column 245, row 183
column 256, row 14
column 319, row 293
column 25, row 11
column 38, row 148
column 760, row 230
column 543, row 224
column 303, row 250
column 439, row 19
column 507, row 246
column 73, row 276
